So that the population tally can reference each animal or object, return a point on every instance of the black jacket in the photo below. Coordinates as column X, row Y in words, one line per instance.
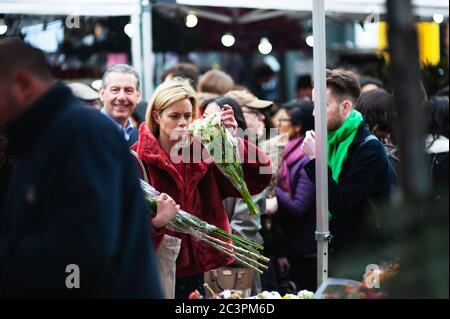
column 365, row 179
column 74, row 198
column 133, row 137
column 6, row 168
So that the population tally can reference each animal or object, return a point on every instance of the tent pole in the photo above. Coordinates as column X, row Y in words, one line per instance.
column 320, row 121
column 136, row 47
column 147, row 50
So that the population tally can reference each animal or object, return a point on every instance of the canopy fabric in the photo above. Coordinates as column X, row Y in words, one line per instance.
column 354, row 8
column 423, row 8
column 74, row 7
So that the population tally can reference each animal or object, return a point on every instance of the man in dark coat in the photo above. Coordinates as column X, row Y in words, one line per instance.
column 75, row 224
column 6, row 167
column 359, row 174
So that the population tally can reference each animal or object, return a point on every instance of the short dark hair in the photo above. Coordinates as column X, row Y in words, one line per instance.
column 205, row 103
column 437, row 110
column 263, row 70
column 304, row 81
column 378, row 109
column 187, row 71
column 344, row 84
column 365, row 80
column 16, row 54
column 139, row 112
column 301, row 113
column 237, row 110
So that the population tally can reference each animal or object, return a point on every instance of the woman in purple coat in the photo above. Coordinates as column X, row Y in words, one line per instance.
column 296, row 196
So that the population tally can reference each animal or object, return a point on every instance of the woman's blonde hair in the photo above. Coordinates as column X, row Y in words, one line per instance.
column 167, row 93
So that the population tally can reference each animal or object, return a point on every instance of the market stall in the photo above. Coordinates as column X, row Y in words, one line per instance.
column 139, row 12
column 347, row 8
column 142, row 58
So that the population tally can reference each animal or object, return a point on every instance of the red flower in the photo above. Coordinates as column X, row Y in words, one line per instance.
column 195, row 295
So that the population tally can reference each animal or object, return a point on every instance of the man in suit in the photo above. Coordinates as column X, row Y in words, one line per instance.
column 120, row 94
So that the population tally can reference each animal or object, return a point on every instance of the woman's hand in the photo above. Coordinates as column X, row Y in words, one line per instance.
column 309, row 144
column 271, row 205
column 228, row 120
column 166, row 209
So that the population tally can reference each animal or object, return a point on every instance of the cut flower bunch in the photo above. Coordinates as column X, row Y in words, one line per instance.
column 223, row 148
column 243, row 251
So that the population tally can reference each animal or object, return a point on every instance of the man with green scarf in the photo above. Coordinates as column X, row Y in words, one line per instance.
column 358, row 170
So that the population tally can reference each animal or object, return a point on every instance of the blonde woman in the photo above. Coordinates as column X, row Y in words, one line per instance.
column 198, row 188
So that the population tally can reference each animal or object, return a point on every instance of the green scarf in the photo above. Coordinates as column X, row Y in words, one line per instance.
column 339, row 141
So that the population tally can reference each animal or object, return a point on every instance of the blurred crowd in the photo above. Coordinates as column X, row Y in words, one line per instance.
column 69, row 190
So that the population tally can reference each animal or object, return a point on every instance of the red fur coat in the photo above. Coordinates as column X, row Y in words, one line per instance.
column 200, row 192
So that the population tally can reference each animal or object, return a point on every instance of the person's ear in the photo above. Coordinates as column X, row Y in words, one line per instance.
column 138, row 94
column 22, row 86
column 22, row 79
column 156, row 117
column 101, row 94
column 346, row 107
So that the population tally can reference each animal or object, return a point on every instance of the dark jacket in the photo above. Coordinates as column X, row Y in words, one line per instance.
column 74, row 198
column 297, row 213
column 6, row 168
column 133, row 137
column 437, row 155
column 200, row 190
column 365, row 176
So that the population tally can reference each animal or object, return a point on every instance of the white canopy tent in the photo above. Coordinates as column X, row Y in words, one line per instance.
column 361, row 8
column 140, row 12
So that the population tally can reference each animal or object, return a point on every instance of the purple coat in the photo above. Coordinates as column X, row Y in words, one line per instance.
column 298, row 214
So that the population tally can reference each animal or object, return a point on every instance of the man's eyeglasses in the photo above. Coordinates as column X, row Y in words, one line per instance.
column 281, row 120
